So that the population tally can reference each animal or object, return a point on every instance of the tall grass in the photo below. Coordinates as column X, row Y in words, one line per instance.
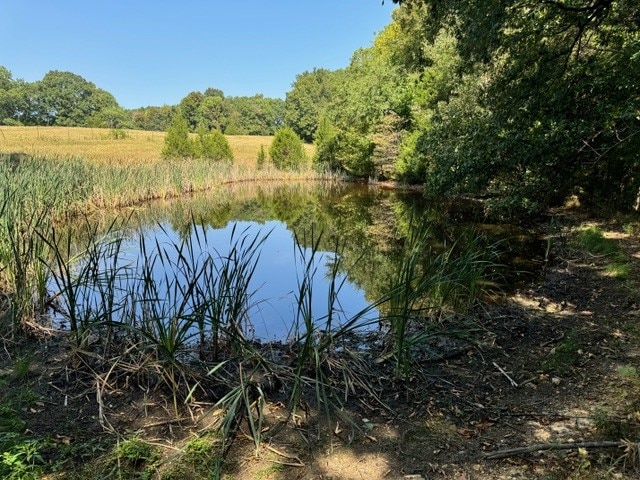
column 70, row 186
column 22, row 274
column 429, row 283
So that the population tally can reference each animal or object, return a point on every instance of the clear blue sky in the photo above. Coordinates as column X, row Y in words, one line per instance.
column 155, row 52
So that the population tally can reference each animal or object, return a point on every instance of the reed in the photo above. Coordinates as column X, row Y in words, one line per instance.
column 429, row 284
column 72, row 186
column 22, row 274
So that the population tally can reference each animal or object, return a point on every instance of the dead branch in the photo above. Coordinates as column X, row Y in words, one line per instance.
column 552, row 446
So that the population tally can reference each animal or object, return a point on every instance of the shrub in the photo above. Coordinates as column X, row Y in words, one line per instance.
column 262, row 157
column 176, row 143
column 213, row 145
column 287, row 152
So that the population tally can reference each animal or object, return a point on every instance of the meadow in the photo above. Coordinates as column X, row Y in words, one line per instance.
column 106, row 146
column 72, row 169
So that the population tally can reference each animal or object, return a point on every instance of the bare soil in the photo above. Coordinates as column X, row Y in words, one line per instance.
column 552, row 362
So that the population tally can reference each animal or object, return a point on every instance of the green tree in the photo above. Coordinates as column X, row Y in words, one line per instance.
column 152, row 118
column 286, row 151
column 190, row 106
column 176, row 142
column 261, row 159
column 213, row 112
column 307, row 100
column 212, row 145
column 110, row 117
column 64, row 98
column 547, row 104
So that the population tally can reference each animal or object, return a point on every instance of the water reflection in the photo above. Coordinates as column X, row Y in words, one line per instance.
column 361, row 226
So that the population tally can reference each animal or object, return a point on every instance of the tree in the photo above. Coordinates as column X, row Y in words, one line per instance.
column 307, row 100
column 286, row 151
column 153, row 118
column 6, row 79
column 64, row 98
column 386, row 139
column 213, row 112
column 212, row 145
column 176, row 142
column 545, row 102
column 190, row 106
column 110, row 117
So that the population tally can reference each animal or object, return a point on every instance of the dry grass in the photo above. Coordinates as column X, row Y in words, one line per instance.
column 97, row 144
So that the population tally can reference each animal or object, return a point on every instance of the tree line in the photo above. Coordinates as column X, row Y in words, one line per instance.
column 67, row 99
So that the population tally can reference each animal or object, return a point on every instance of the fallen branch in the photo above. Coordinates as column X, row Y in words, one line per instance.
column 552, row 446
column 511, row 380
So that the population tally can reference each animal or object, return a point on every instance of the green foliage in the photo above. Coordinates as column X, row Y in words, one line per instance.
column 353, row 152
column 212, row 145
column 118, row 134
column 153, row 118
column 176, row 142
column 326, row 146
column 22, row 460
column 261, row 158
column 343, row 149
column 306, row 101
column 199, row 458
column 286, row 151
column 563, row 357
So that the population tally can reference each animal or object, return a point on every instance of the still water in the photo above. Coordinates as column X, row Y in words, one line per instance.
column 347, row 238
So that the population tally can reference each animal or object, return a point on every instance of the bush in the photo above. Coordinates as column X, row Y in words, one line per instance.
column 262, row 157
column 212, row 145
column 11, row 122
column 286, row 151
column 176, row 143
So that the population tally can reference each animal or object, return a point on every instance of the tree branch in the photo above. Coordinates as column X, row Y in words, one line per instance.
column 552, row 446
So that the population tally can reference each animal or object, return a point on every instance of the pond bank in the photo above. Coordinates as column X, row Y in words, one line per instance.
column 555, row 362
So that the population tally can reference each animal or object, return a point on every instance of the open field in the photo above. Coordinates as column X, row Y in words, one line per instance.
column 73, row 170
column 98, row 144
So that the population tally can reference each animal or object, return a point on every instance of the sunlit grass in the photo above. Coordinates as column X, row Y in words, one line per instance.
column 98, row 145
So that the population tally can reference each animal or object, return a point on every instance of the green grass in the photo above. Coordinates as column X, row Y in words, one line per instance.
column 593, row 241
column 563, row 357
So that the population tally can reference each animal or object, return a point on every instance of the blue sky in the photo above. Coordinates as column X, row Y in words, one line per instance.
column 155, row 52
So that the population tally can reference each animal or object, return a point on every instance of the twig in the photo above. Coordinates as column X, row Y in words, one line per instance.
column 505, row 374
column 552, row 446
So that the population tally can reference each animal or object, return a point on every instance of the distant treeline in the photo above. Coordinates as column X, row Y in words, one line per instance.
column 67, row 99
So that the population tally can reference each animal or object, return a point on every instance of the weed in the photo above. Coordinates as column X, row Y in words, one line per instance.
column 22, row 460
column 613, row 427
column 563, row 357
column 22, row 366
column 594, row 242
column 198, row 458
column 132, row 458
column 619, row 269
column 628, row 371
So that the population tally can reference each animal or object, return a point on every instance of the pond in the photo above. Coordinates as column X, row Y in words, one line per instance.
column 287, row 254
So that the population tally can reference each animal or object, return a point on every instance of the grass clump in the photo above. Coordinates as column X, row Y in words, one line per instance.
column 200, row 457
column 563, row 357
column 593, row 241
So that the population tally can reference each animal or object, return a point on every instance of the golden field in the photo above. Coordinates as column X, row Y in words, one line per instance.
column 98, row 144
